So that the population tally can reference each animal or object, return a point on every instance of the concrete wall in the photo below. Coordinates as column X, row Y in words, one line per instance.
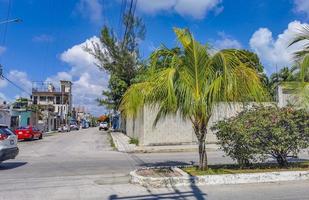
column 285, row 97
column 171, row 130
column 5, row 117
column 134, row 127
column 174, row 129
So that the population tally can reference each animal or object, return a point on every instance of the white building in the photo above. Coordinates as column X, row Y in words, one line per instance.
column 55, row 103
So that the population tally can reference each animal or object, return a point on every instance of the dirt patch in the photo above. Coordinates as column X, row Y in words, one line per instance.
column 163, row 172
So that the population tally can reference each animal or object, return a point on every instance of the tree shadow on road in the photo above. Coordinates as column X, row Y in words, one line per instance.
column 166, row 164
column 11, row 165
column 195, row 193
column 175, row 193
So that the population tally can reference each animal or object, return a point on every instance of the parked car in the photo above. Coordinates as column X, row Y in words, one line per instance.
column 28, row 133
column 85, row 125
column 74, row 127
column 8, row 144
column 64, row 128
column 104, row 126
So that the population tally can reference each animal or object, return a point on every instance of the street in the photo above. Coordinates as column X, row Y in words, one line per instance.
column 82, row 165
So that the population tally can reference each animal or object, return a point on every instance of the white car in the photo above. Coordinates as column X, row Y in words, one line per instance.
column 8, row 144
column 64, row 128
column 104, row 126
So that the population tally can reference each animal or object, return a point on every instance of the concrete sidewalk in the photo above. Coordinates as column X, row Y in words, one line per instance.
column 122, row 143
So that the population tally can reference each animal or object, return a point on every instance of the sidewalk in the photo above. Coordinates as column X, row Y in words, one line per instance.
column 122, row 144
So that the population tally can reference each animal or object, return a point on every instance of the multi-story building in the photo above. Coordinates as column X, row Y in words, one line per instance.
column 54, row 102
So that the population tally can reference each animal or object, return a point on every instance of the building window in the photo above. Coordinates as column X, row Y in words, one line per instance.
column 51, row 99
column 58, row 99
column 43, row 98
column 35, row 100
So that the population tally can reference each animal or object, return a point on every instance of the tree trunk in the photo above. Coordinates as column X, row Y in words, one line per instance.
column 202, row 154
column 282, row 160
column 200, row 130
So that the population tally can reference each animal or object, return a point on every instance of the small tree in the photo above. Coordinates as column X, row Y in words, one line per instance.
column 189, row 81
column 119, row 56
column 264, row 131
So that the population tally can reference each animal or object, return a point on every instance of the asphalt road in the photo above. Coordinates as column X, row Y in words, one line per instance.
column 82, row 165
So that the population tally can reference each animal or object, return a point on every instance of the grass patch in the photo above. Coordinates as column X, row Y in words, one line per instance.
column 255, row 168
column 111, row 141
column 134, row 141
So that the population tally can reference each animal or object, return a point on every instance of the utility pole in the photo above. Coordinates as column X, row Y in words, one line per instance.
column 1, row 72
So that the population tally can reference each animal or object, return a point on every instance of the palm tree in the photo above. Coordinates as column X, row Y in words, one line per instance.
column 300, row 86
column 302, row 37
column 189, row 81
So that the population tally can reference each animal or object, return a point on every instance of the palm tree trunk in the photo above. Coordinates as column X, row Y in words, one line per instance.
column 202, row 155
column 200, row 132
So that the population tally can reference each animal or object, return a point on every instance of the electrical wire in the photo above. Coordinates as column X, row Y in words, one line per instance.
column 6, row 24
column 121, row 14
column 17, row 86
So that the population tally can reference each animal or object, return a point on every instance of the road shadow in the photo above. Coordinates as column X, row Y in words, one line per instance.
column 11, row 165
column 27, row 140
column 195, row 193
column 166, row 164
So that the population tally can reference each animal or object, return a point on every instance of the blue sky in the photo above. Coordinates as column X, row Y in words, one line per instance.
column 47, row 45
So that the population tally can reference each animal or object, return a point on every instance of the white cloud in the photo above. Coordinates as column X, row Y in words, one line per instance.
column 21, row 79
column 88, row 80
column 3, row 97
column 43, row 38
column 91, row 9
column 301, row 6
column 3, row 83
column 2, row 50
column 226, row 42
column 275, row 51
column 197, row 9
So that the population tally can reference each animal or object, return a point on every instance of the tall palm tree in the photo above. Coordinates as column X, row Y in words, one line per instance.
column 189, row 81
column 301, row 86
column 301, row 37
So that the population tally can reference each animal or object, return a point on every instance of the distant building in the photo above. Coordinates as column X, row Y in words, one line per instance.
column 5, row 114
column 22, row 114
column 55, row 103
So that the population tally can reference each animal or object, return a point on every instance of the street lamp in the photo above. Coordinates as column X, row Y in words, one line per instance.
column 10, row 21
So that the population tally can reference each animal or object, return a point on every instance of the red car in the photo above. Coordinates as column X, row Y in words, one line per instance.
column 28, row 133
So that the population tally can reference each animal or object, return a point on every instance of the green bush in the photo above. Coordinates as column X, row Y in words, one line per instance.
column 134, row 141
column 261, row 132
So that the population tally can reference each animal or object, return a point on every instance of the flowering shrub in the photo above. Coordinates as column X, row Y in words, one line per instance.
column 258, row 133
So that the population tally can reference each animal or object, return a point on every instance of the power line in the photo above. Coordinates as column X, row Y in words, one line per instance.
column 121, row 15
column 17, row 86
column 6, row 25
column 130, row 14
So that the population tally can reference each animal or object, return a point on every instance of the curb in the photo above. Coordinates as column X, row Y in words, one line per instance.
column 122, row 144
column 170, row 150
column 46, row 134
column 222, row 179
